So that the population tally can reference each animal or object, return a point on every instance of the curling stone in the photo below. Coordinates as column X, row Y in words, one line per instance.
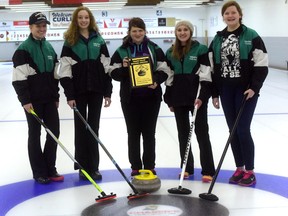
column 146, row 181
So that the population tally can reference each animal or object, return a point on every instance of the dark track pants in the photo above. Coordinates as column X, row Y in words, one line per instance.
column 43, row 161
column 86, row 146
column 202, row 134
column 141, row 117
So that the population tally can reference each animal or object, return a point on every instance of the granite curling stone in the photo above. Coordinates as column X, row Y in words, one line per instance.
column 146, row 181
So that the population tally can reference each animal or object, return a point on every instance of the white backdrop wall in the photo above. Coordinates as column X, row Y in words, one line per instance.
column 268, row 18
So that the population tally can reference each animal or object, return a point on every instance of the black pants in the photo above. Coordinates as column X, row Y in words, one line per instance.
column 141, row 117
column 86, row 146
column 43, row 161
column 202, row 134
column 242, row 143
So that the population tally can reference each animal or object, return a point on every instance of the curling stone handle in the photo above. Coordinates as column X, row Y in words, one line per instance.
column 145, row 171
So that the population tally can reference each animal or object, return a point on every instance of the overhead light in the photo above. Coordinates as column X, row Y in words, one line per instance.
column 28, row 7
column 111, row 5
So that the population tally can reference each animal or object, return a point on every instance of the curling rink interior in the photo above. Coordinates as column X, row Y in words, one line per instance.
column 21, row 196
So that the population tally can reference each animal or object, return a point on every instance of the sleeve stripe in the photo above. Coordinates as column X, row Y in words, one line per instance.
column 113, row 67
column 21, row 72
column 106, row 62
column 65, row 67
column 204, row 73
column 260, row 58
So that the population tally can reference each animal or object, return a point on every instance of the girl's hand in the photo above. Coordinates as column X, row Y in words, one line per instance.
column 154, row 86
column 125, row 62
column 250, row 93
column 71, row 103
column 198, row 102
column 107, row 101
column 216, row 103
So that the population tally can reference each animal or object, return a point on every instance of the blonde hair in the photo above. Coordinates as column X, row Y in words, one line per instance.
column 72, row 33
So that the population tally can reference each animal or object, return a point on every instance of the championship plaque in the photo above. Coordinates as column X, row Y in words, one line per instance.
column 140, row 72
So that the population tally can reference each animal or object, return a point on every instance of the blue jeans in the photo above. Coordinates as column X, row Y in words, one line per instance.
column 242, row 143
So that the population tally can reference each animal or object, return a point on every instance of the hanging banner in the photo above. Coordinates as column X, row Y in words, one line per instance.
column 11, row 25
column 7, row 25
column 113, row 28
column 10, row 2
column 2, row 36
column 23, row 35
column 112, row 23
column 60, row 19
column 20, row 24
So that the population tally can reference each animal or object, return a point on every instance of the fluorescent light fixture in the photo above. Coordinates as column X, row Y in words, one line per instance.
column 29, row 10
column 112, row 5
column 28, row 7
column 101, row 8
column 28, row 4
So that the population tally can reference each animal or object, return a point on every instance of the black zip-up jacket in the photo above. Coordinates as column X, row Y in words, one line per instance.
column 34, row 72
column 84, row 67
column 253, row 60
column 159, row 67
column 188, row 73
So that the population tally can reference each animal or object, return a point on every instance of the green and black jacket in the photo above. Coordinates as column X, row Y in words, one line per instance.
column 84, row 67
column 190, row 71
column 34, row 72
column 160, row 69
column 253, row 60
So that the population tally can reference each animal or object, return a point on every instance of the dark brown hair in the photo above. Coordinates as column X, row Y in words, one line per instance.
column 134, row 22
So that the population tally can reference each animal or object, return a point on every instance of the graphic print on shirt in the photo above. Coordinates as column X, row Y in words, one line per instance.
column 230, row 57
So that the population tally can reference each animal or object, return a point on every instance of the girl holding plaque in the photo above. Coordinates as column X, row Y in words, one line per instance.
column 140, row 104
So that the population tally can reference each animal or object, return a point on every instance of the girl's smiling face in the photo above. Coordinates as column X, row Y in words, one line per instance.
column 83, row 19
column 39, row 30
column 232, row 18
column 183, row 34
column 137, row 35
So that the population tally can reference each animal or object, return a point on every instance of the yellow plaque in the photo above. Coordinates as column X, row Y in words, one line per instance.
column 140, row 72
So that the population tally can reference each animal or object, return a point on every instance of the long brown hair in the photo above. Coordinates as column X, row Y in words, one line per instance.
column 178, row 51
column 72, row 33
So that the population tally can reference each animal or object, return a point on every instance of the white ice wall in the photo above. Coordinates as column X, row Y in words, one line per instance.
column 268, row 17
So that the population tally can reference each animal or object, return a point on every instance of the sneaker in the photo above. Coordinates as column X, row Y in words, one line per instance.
column 249, row 179
column 186, row 175
column 207, row 178
column 56, row 177
column 96, row 175
column 135, row 172
column 42, row 180
column 237, row 176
